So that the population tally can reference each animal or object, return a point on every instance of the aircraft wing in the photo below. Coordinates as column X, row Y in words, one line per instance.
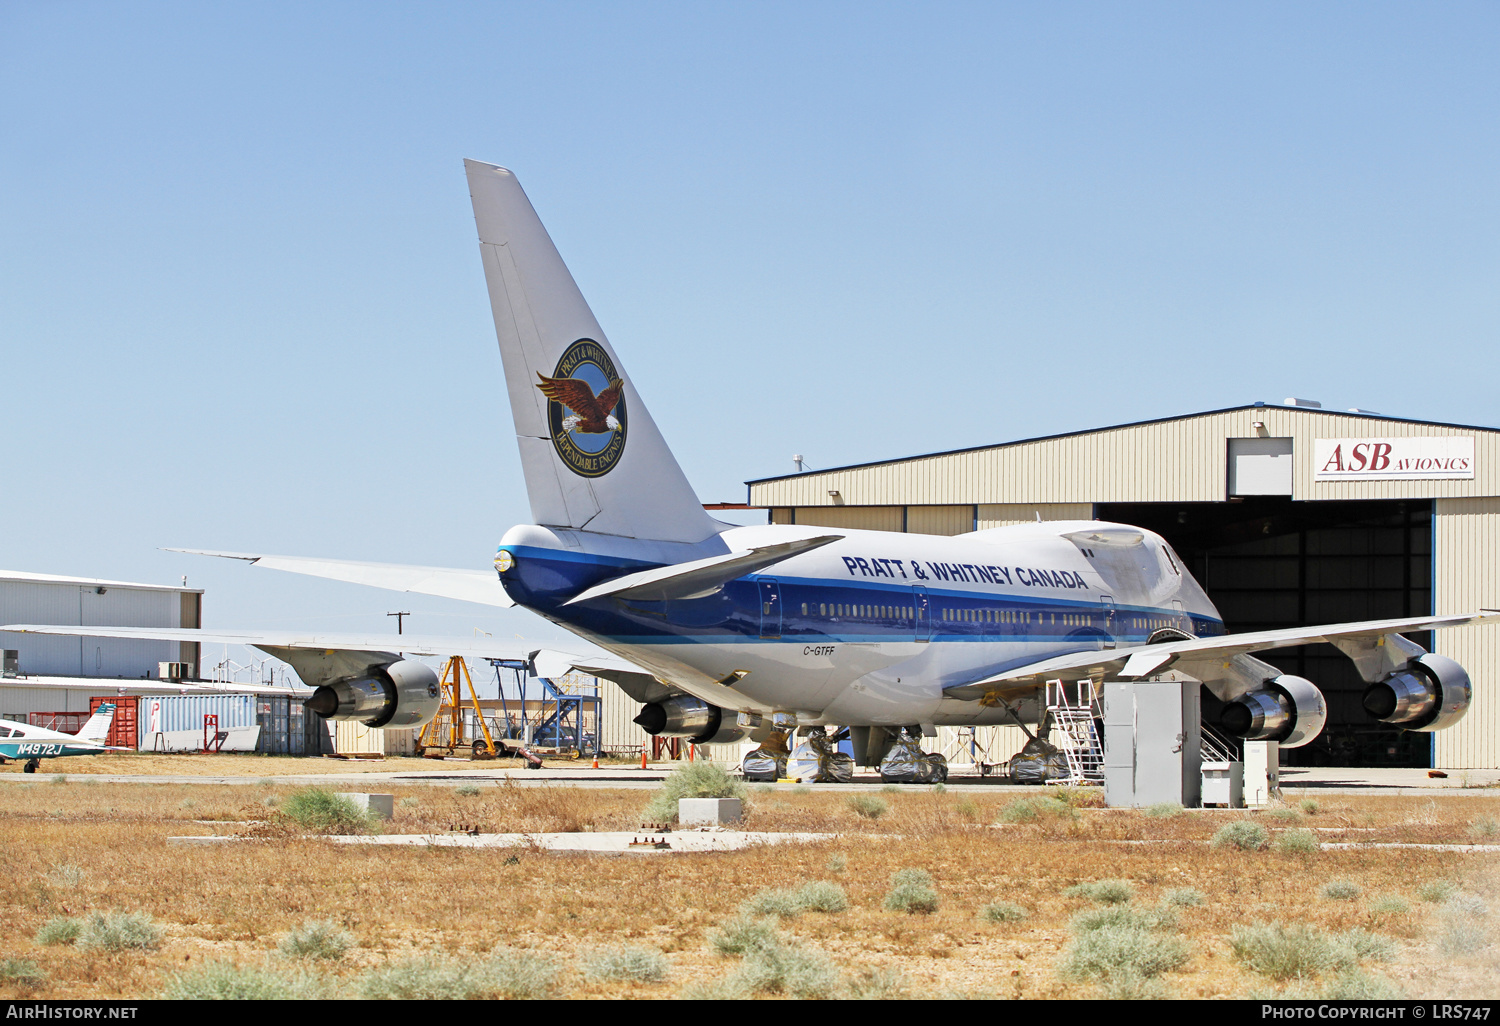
column 482, row 586
column 1206, row 659
column 700, row 576
column 546, row 661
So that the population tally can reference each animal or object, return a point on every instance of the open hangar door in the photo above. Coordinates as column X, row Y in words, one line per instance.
column 1268, row 562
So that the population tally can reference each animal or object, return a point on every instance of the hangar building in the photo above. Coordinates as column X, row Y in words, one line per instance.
column 1288, row 515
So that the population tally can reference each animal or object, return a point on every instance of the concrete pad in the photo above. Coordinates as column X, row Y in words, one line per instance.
column 606, row 842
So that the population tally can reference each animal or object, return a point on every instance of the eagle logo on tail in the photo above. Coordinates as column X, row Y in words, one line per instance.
column 586, row 409
column 592, row 414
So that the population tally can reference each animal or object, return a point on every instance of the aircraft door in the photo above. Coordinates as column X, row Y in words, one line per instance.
column 770, row 608
column 1111, row 621
column 924, row 620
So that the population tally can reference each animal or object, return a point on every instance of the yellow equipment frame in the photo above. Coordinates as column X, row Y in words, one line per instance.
column 449, row 717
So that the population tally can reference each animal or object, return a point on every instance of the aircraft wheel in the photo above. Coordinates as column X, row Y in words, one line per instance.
column 31, row 765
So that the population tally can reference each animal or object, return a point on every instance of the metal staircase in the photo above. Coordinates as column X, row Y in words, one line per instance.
column 1076, row 717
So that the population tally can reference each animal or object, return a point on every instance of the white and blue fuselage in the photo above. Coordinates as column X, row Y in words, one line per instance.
column 871, row 628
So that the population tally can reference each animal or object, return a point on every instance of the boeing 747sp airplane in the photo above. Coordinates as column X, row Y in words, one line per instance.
column 724, row 632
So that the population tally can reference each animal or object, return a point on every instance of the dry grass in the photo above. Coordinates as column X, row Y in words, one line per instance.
column 433, row 906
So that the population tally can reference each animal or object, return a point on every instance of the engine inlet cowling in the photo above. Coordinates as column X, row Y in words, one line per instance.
column 1430, row 693
column 692, row 718
column 402, row 694
column 1290, row 710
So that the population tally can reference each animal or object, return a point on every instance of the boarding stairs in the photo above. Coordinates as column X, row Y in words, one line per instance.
column 1076, row 716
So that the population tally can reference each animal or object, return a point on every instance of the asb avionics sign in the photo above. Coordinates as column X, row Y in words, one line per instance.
column 1392, row 459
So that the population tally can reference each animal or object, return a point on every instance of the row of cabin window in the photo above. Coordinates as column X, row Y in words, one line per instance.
column 863, row 612
column 1152, row 622
column 994, row 616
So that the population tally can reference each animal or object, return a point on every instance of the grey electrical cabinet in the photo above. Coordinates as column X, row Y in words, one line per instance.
column 1151, row 743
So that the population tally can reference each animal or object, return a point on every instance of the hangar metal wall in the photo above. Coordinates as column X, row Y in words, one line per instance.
column 1466, row 549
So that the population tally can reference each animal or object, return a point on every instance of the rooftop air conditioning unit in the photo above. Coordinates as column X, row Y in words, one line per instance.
column 174, row 671
column 10, row 663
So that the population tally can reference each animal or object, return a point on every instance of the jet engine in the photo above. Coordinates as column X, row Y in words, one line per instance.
column 1288, row 709
column 1431, row 692
column 696, row 720
column 402, row 694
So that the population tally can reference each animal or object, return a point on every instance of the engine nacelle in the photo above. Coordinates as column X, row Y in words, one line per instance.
column 1430, row 693
column 692, row 718
column 1289, row 710
column 403, row 694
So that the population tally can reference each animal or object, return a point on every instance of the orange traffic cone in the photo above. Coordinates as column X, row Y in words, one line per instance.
column 643, row 758
column 596, row 760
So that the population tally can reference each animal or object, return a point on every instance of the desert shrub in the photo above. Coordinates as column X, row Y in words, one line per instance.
column 627, row 962
column 1297, row 842
column 21, row 972
column 1363, row 946
column 1390, row 905
column 1078, row 797
column 466, row 790
column 836, row 864
column 1030, row 810
column 879, row 985
column 1341, row 890
column 788, row 968
column 67, row 876
column 504, row 973
column 1354, row 985
column 1105, row 892
column 519, row 975
column 890, row 789
column 822, row 896
column 1482, row 828
column 1284, row 815
column 270, row 801
column 1124, row 917
column 1184, row 897
column 1132, row 986
column 223, row 981
column 1461, row 928
column 410, row 802
column 1295, row 952
column 775, row 901
column 695, row 780
column 1240, row 834
column 967, row 808
column 1122, row 952
column 867, row 805
column 1435, row 892
column 725, row 988
column 1284, row 953
column 316, row 939
column 911, row 892
column 187, row 803
column 59, row 778
column 1164, row 810
column 742, row 934
column 59, row 930
column 119, row 931
column 314, row 808
column 1309, row 806
column 1002, row 912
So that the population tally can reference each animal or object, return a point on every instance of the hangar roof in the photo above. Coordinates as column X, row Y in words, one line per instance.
column 30, row 578
column 1174, row 459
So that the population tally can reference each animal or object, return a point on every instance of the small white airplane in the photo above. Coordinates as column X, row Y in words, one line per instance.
column 725, row 632
column 23, row 741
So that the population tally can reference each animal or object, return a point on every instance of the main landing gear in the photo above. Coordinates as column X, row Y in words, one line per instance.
column 31, row 765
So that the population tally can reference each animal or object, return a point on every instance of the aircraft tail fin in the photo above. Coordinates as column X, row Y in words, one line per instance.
column 96, row 730
column 593, row 458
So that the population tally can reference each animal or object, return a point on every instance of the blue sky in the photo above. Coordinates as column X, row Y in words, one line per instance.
column 242, row 307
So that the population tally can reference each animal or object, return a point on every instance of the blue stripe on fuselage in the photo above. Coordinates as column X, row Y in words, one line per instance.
column 836, row 611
